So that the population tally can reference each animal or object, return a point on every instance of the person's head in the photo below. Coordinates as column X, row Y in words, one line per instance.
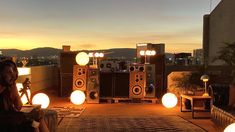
column 8, row 73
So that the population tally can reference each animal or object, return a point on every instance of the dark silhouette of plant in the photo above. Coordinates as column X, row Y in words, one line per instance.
column 188, row 81
column 227, row 54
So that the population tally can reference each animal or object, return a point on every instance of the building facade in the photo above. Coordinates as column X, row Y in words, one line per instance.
column 198, row 57
column 218, row 28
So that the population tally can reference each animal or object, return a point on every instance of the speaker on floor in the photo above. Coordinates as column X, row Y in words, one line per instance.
column 106, row 84
column 150, row 88
column 93, row 86
column 66, row 84
column 67, row 60
column 121, row 87
column 79, row 77
column 137, row 84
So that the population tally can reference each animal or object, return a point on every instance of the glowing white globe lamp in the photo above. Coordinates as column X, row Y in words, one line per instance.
column 142, row 52
column 23, row 98
column 82, row 58
column 91, row 54
column 77, row 97
column 169, row 100
column 97, row 54
column 41, row 99
column 148, row 52
column 230, row 128
column 153, row 52
column 101, row 55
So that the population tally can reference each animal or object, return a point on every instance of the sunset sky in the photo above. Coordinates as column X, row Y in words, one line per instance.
column 102, row 24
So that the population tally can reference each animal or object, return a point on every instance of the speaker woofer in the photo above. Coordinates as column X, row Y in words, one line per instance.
column 141, row 68
column 79, row 83
column 93, row 95
column 136, row 90
column 132, row 68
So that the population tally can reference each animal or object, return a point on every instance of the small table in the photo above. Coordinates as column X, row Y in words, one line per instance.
column 193, row 98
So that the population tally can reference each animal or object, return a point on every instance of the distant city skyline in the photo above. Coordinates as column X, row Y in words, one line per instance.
column 103, row 24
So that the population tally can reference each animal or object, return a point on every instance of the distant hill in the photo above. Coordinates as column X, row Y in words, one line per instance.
column 33, row 52
column 127, row 53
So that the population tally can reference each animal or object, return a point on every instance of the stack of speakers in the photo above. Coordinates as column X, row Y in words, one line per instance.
column 159, row 62
column 93, row 86
column 87, row 79
column 114, row 84
column 67, row 60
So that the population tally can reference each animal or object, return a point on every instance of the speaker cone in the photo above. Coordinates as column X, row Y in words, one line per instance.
column 136, row 90
column 93, row 95
column 79, row 83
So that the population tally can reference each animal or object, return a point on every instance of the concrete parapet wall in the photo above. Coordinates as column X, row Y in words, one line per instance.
column 44, row 77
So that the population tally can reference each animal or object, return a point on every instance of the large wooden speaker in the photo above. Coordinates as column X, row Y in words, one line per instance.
column 66, row 84
column 79, row 77
column 137, row 84
column 121, row 87
column 67, row 60
column 106, row 84
column 93, row 86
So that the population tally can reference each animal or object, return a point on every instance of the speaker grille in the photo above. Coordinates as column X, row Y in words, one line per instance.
column 93, row 86
column 137, row 84
column 79, row 77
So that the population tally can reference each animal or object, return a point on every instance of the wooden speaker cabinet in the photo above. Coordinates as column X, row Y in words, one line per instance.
column 79, row 77
column 93, row 86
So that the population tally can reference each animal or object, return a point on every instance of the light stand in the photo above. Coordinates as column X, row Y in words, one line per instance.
column 147, row 53
column 205, row 79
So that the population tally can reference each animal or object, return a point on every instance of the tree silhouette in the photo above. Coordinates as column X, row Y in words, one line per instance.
column 227, row 54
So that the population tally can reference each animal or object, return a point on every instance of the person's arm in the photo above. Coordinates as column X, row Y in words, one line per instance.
column 16, row 98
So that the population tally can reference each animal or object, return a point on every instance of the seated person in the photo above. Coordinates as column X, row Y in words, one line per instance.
column 11, row 119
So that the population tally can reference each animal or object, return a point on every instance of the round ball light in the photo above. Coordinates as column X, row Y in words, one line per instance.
column 142, row 52
column 153, row 52
column 97, row 54
column 77, row 97
column 82, row 58
column 101, row 55
column 41, row 99
column 230, row 128
column 169, row 100
column 148, row 52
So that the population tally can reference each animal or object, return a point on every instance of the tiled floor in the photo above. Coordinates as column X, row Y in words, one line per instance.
column 136, row 109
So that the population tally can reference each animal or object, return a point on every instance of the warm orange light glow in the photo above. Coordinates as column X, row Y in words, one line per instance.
column 82, row 58
column 41, row 99
column 24, row 71
column 169, row 100
column 77, row 97
column 230, row 128
column 23, row 98
column 205, row 78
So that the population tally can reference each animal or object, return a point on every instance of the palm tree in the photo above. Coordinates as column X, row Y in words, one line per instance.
column 227, row 54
